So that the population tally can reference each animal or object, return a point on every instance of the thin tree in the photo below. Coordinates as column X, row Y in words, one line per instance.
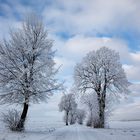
column 101, row 72
column 27, row 72
column 67, row 104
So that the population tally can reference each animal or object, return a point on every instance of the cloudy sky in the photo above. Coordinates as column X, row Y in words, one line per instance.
column 79, row 26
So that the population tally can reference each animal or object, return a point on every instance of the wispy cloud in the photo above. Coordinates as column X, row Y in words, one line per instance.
column 93, row 16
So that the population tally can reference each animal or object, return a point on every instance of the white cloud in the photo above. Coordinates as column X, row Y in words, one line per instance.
column 72, row 50
column 80, row 45
column 93, row 15
column 63, row 62
column 136, row 56
column 132, row 72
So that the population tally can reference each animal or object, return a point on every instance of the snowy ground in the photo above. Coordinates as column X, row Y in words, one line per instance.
column 44, row 122
column 74, row 132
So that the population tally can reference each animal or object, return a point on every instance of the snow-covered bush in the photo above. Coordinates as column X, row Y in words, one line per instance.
column 89, row 122
column 81, row 115
column 73, row 116
column 93, row 122
column 11, row 119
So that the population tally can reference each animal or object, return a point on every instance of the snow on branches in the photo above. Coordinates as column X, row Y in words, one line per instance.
column 101, row 72
column 67, row 104
column 27, row 72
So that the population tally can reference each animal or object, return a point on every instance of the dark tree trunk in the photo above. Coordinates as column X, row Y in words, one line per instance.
column 21, row 123
column 102, row 114
column 67, row 114
column 101, row 102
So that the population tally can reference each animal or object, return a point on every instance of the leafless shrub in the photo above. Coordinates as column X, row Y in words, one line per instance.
column 11, row 119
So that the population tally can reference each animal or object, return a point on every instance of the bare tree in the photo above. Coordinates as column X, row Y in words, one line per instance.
column 27, row 72
column 102, row 72
column 67, row 104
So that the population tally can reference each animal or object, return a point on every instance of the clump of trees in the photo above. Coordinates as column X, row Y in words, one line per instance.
column 73, row 116
column 27, row 73
column 101, row 73
column 68, row 105
column 81, row 115
column 72, row 113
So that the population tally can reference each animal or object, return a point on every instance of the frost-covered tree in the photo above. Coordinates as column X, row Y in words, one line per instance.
column 27, row 72
column 81, row 115
column 102, row 72
column 91, row 102
column 67, row 104
column 73, row 116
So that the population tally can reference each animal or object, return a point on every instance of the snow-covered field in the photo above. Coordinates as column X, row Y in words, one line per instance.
column 125, row 124
column 45, row 122
column 75, row 132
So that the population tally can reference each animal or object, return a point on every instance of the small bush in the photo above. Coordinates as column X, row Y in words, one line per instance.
column 11, row 119
column 89, row 123
column 81, row 115
column 97, row 124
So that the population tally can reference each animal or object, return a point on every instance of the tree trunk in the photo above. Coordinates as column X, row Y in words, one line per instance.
column 102, row 114
column 21, row 123
column 67, row 114
column 101, row 101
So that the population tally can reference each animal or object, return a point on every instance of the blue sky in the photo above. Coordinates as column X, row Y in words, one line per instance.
column 80, row 26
